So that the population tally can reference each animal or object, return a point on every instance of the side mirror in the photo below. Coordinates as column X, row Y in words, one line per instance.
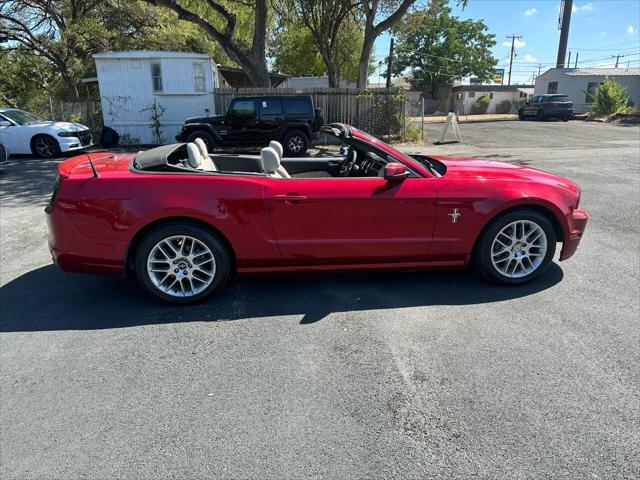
column 5, row 123
column 395, row 172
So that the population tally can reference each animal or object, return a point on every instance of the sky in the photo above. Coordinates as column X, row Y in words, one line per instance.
column 599, row 29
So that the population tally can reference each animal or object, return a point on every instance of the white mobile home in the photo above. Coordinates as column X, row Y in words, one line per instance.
column 580, row 84
column 464, row 96
column 136, row 86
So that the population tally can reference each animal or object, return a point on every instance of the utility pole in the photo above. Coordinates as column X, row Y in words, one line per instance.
column 390, row 60
column 513, row 48
column 539, row 68
column 569, row 61
column 577, row 54
column 617, row 57
column 563, row 24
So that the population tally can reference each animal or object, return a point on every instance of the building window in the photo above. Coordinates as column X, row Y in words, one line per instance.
column 522, row 94
column 156, row 77
column 472, row 94
column 491, row 95
column 592, row 87
column 199, row 84
column 552, row 87
column 459, row 96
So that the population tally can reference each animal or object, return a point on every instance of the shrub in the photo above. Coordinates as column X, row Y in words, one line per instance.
column 412, row 133
column 480, row 106
column 504, row 107
column 610, row 97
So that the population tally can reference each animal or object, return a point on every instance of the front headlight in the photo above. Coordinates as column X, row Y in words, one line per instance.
column 68, row 134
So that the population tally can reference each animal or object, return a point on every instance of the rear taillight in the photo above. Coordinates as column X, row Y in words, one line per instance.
column 553, row 104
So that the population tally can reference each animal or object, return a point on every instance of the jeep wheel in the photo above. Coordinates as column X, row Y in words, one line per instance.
column 295, row 143
column 206, row 138
column 540, row 115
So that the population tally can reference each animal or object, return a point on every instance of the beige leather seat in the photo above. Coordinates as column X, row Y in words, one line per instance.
column 205, row 162
column 271, row 163
column 277, row 146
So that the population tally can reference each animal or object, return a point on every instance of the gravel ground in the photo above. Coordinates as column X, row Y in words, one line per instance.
column 405, row 375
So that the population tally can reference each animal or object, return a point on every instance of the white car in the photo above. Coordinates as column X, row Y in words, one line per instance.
column 27, row 133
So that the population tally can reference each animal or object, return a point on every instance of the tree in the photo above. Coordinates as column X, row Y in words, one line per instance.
column 324, row 20
column 23, row 75
column 438, row 48
column 392, row 11
column 66, row 32
column 219, row 21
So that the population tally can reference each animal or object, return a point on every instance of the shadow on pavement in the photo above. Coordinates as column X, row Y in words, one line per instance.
column 47, row 299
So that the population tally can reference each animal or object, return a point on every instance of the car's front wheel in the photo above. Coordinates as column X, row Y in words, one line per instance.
column 181, row 263
column 516, row 247
column 540, row 115
column 45, row 146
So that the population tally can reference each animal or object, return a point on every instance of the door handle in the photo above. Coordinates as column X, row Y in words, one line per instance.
column 290, row 197
column 334, row 163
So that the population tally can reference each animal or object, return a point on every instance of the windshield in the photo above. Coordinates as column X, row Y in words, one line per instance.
column 21, row 117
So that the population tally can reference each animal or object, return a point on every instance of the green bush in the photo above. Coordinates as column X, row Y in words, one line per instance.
column 412, row 133
column 504, row 107
column 480, row 106
column 610, row 97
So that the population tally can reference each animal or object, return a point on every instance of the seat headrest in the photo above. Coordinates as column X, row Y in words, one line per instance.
column 202, row 147
column 194, row 157
column 277, row 146
column 270, row 160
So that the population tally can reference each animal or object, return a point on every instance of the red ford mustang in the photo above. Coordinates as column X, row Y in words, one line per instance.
column 183, row 220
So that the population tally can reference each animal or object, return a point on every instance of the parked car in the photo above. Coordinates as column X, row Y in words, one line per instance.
column 252, row 122
column 30, row 134
column 542, row 107
column 183, row 221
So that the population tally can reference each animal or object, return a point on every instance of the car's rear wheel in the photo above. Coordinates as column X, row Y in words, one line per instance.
column 45, row 146
column 295, row 143
column 516, row 247
column 206, row 137
column 181, row 263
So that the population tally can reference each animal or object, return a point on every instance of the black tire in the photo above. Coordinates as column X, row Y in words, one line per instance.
column 205, row 136
column 540, row 115
column 484, row 246
column 295, row 143
column 565, row 119
column 45, row 146
column 220, row 254
column 521, row 115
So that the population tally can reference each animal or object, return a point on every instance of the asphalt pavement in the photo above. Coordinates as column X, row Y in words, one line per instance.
column 336, row 376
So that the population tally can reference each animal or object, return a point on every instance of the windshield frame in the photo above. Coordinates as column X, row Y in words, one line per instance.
column 28, row 118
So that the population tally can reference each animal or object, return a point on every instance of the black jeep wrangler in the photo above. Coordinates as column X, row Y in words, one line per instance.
column 252, row 122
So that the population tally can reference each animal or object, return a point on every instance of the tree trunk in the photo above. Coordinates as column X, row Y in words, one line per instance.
column 363, row 64
column 70, row 83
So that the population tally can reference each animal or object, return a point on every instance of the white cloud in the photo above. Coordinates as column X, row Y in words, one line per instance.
column 587, row 7
column 529, row 58
column 603, row 34
column 530, row 11
column 517, row 44
column 631, row 30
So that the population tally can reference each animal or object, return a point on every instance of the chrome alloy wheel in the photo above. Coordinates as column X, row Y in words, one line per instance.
column 181, row 266
column 295, row 144
column 519, row 249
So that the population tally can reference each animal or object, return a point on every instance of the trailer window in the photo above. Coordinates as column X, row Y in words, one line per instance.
column 156, row 77
column 198, row 77
column 552, row 87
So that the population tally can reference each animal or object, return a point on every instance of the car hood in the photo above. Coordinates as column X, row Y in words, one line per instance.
column 485, row 169
column 60, row 126
column 213, row 120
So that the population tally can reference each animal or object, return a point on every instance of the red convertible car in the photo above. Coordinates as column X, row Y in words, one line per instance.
column 184, row 221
